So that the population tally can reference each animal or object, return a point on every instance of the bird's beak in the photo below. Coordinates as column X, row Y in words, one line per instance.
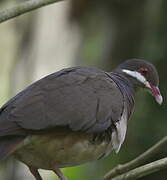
column 155, row 92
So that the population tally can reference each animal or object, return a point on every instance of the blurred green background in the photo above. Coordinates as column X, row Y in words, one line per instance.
column 90, row 33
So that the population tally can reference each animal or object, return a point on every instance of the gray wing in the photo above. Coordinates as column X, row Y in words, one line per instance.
column 82, row 99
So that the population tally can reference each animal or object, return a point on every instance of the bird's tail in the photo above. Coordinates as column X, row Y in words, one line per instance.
column 8, row 145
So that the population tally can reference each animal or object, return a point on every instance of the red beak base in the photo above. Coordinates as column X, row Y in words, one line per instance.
column 156, row 93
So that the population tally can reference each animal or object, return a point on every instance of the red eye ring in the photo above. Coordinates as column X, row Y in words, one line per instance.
column 143, row 71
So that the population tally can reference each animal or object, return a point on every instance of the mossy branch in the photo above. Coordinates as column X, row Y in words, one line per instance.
column 23, row 8
column 121, row 169
column 143, row 170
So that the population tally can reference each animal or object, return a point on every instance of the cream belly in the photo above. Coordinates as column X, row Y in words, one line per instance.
column 60, row 149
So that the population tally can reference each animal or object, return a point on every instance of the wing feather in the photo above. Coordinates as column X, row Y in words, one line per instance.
column 82, row 99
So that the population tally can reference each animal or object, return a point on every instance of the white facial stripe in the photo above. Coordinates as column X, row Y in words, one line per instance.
column 137, row 75
column 147, row 84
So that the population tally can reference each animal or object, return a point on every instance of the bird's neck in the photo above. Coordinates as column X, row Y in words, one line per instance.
column 123, row 82
column 130, row 81
column 127, row 89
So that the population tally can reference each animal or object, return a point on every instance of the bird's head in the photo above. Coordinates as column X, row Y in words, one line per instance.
column 142, row 74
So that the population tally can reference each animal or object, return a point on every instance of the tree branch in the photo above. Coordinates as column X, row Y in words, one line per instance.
column 23, row 8
column 143, row 170
column 120, row 169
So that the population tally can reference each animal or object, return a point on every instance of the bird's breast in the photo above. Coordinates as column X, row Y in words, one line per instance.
column 61, row 149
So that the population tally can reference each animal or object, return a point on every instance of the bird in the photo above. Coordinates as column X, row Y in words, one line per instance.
column 73, row 116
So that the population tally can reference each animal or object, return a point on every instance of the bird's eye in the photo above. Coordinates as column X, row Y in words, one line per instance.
column 143, row 71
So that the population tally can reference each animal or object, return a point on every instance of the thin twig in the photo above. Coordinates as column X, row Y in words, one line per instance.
column 23, row 8
column 143, row 170
column 120, row 169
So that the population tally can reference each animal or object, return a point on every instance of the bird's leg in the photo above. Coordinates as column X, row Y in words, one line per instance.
column 59, row 173
column 35, row 172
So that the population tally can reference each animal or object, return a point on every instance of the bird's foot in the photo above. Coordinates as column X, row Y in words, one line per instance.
column 35, row 172
column 59, row 173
